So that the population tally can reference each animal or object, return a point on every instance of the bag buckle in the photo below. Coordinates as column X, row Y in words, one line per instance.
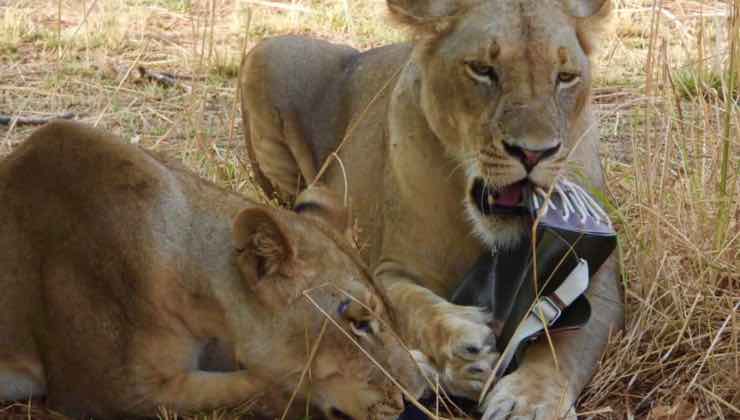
column 547, row 309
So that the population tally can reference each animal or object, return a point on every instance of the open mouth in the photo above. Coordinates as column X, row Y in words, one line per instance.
column 510, row 199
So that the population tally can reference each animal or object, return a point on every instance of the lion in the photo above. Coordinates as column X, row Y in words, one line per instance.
column 434, row 142
column 127, row 287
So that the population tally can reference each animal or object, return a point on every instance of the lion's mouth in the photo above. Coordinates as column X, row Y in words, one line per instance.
column 510, row 199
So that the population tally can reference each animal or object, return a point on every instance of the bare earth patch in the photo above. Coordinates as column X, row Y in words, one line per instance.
column 666, row 92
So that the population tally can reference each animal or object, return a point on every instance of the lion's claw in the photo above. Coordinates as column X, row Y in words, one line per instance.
column 520, row 396
column 460, row 348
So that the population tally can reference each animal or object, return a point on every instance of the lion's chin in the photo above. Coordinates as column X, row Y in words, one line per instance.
column 498, row 231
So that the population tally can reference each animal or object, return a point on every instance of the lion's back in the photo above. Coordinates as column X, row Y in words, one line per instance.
column 302, row 97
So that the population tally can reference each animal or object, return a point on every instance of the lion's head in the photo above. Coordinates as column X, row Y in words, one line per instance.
column 307, row 274
column 503, row 84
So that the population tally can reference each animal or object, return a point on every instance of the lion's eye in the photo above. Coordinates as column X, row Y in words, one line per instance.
column 361, row 327
column 568, row 79
column 343, row 307
column 352, row 313
column 482, row 72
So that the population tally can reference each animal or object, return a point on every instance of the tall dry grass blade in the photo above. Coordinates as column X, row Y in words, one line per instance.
column 712, row 346
column 730, row 95
column 654, row 27
column 348, row 16
column 355, row 123
column 59, row 31
column 212, row 28
column 306, row 368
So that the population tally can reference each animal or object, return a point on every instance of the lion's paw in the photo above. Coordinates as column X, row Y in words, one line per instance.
column 460, row 348
column 519, row 396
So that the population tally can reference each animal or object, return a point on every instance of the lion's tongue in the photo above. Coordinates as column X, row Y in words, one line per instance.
column 509, row 196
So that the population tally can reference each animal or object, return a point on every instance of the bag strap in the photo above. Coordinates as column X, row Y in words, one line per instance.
column 544, row 313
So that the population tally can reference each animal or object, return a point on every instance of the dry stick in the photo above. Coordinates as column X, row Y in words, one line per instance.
column 9, row 120
column 10, row 129
column 344, row 177
column 605, row 410
column 311, row 356
column 283, row 6
column 164, row 79
column 411, row 398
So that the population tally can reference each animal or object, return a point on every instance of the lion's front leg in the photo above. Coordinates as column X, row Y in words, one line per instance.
column 547, row 384
column 537, row 390
column 451, row 341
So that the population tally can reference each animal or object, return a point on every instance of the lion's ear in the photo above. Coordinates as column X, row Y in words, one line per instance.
column 262, row 245
column 588, row 8
column 424, row 14
column 590, row 23
column 323, row 204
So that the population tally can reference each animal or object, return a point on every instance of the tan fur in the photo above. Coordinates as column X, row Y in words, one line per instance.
column 125, row 286
column 412, row 151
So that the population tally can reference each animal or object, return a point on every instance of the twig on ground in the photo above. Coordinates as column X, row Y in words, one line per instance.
column 19, row 120
column 164, row 79
column 282, row 6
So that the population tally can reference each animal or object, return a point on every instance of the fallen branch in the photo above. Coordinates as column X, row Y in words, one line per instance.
column 276, row 5
column 164, row 79
column 9, row 120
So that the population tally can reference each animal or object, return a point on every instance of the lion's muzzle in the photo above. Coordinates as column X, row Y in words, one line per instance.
column 510, row 199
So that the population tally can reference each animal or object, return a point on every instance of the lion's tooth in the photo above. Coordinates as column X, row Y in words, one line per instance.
column 491, row 200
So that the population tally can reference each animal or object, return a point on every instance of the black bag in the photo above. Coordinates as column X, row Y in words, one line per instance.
column 572, row 233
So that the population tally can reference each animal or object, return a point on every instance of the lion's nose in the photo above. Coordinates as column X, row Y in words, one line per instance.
column 530, row 157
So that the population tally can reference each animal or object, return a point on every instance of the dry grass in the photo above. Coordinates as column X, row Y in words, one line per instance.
column 670, row 141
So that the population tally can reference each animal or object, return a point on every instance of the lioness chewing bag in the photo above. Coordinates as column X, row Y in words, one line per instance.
column 128, row 283
column 489, row 98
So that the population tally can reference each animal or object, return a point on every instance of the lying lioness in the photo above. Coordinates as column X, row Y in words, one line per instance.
column 127, row 283
column 439, row 140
